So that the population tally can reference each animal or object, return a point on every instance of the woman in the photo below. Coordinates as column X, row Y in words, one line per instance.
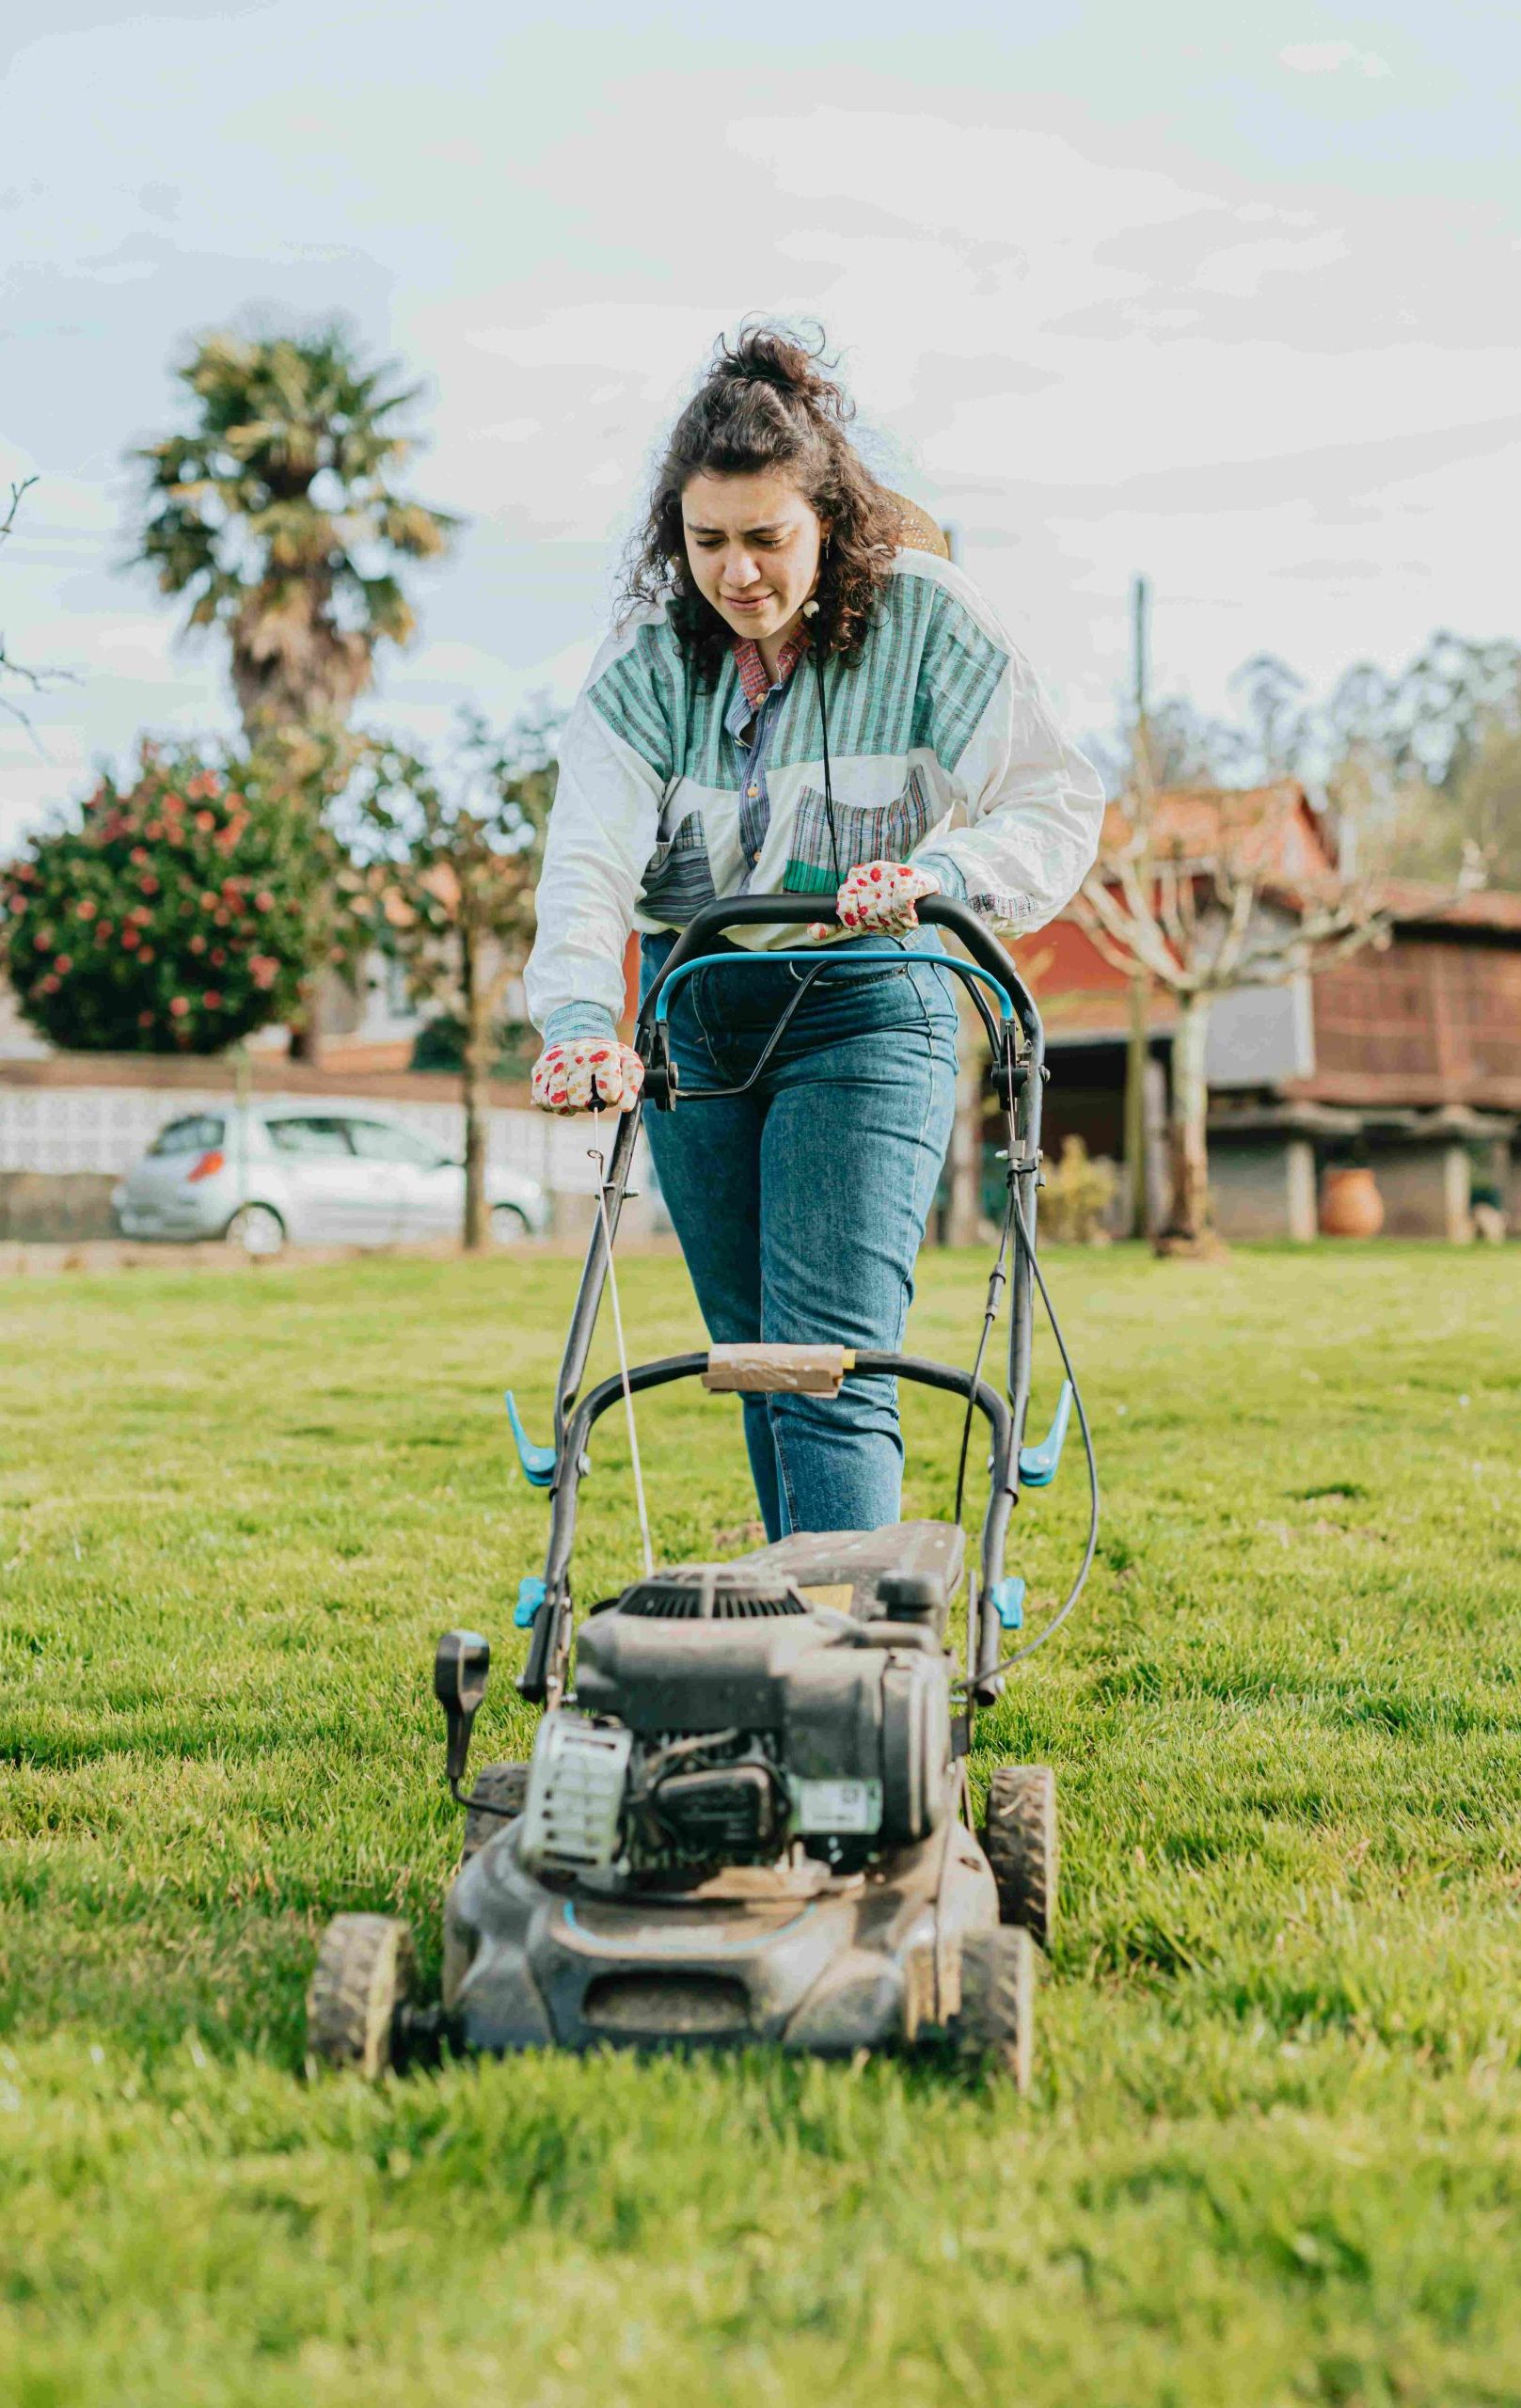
column 795, row 703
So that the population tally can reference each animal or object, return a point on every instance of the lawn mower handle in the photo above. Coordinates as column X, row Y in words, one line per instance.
column 803, row 910
column 1024, row 1075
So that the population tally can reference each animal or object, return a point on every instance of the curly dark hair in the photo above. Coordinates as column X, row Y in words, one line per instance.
column 768, row 404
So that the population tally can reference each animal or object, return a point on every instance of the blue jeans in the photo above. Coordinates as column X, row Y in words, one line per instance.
column 801, row 1206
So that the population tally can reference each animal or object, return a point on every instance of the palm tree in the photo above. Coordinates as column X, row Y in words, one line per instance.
column 277, row 514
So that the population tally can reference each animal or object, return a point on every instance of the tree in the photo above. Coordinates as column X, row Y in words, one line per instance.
column 1192, row 893
column 455, row 859
column 180, row 915
column 1426, row 766
column 1421, row 768
column 277, row 514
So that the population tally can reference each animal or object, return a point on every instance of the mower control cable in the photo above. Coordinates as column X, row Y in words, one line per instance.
column 1086, row 1565
column 596, row 1154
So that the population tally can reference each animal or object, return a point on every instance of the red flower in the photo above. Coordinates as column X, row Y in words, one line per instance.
column 264, row 900
column 205, row 821
column 63, row 963
column 197, row 943
column 211, row 1000
column 85, row 908
column 218, row 955
column 178, row 1006
column 131, row 939
column 148, row 885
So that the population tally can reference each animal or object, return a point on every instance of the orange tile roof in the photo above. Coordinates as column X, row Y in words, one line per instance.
column 1270, row 827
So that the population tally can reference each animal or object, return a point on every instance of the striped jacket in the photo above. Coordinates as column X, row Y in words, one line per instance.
column 942, row 750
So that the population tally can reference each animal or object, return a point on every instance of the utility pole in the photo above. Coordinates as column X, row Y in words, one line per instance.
column 1138, row 1040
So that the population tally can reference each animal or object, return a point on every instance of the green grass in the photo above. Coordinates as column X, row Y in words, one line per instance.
column 1273, row 2153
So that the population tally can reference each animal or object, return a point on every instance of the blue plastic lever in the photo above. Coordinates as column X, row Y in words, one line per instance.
column 531, row 1595
column 1008, row 1601
column 1037, row 1465
column 538, row 1462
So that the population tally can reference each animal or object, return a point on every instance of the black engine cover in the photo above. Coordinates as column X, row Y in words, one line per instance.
column 836, row 1702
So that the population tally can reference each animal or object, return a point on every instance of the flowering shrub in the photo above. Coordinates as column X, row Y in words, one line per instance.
column 182, row 914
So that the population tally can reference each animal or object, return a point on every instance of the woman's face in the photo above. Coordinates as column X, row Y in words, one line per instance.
column 752, row 547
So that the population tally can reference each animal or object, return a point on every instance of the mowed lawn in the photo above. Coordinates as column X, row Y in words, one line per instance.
column 1274, row 2151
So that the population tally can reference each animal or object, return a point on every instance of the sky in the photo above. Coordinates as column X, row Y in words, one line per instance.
column 1226, row 298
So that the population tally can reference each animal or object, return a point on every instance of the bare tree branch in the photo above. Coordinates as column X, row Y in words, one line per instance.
column 38, row 681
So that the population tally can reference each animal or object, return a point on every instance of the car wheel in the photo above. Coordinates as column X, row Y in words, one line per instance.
column 255, row 1229
column 508, row 1225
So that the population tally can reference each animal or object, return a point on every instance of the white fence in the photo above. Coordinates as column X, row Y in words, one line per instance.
column 107, row 1128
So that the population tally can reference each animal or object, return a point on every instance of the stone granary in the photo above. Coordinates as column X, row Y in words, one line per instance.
column 1405, row 1059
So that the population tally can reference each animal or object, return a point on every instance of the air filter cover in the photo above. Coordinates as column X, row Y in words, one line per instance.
column 711, row 1592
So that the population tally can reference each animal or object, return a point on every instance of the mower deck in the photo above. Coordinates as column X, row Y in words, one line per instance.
column 815, row 1962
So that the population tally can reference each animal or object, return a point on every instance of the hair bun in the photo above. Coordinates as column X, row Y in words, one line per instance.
column 769, row 355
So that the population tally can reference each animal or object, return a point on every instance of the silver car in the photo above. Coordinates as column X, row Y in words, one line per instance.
column 312, row 1175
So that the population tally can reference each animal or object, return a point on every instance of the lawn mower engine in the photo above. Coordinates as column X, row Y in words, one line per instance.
column 720, row 1719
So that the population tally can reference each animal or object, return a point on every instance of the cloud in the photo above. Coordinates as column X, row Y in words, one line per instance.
column 1240, row 270
column 1330, row 57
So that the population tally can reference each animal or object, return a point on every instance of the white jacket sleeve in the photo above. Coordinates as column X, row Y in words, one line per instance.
column 603, row 825
column 1033, row 805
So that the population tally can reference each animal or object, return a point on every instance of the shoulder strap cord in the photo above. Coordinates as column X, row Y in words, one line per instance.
column 828, row 789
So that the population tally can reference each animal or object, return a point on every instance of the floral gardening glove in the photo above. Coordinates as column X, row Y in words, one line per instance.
column 563, row 1076
column 878, row 900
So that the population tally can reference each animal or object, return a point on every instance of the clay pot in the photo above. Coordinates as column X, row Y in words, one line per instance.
column 1351, row 1205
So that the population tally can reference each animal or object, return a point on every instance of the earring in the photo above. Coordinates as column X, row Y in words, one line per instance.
column 810, row 610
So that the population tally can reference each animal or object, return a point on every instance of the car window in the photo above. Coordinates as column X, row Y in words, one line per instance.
column 193, row 1136
column 382, row 1140
column 310, row 1134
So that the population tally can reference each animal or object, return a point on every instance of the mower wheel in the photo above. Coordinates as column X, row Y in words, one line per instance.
column 1018, row 1840
column 358, row 1994
column 506, row 1785
column 996, row 2023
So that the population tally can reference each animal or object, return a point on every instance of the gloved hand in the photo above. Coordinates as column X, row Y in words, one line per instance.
column 564, row 1075
column 878, row 900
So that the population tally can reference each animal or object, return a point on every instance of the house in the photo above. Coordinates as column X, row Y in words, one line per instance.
column 1407, row 1058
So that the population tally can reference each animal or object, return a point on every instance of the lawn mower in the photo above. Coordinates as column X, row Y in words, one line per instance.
column 747, row 1817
